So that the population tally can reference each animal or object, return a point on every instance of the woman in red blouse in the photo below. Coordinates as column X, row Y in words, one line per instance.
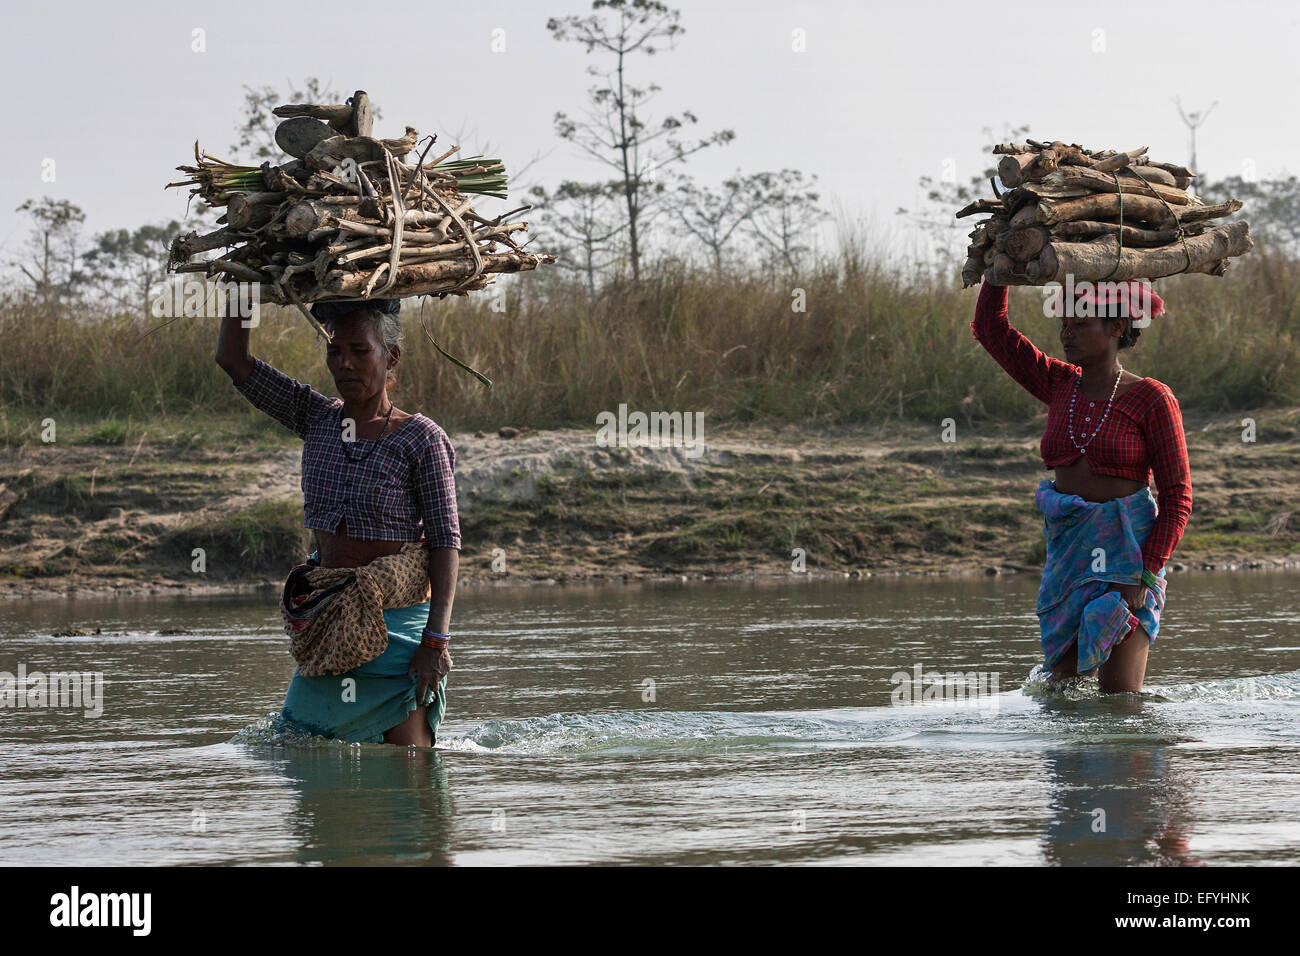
column 1128, row 426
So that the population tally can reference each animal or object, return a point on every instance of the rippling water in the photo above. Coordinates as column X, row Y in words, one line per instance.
column 706, row 724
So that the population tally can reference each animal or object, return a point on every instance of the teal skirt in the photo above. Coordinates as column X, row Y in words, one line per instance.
column 363, row 703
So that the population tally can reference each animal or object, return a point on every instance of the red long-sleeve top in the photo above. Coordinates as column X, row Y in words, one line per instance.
column 1142, row 435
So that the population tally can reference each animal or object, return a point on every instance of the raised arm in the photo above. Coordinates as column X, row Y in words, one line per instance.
column 1163, row 431
column 290, row 402
column 232, row 345
column 1022, row 360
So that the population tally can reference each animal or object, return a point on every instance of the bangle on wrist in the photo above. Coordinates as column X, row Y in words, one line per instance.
column 1149, row 578
column 434, row 639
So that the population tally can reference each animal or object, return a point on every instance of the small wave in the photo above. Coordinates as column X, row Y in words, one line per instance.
column 274, row 731
column 718, row 730
column 1267, row 687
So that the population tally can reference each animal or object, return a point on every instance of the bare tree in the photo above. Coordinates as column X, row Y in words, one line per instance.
column 787, row 212
column 614, row 129
column 585, row 217
column 943, row 197
column 56, row 232
column 713, row 216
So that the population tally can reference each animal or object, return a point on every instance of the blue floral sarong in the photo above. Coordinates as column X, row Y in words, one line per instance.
column 1091, row 545
column 363, row 703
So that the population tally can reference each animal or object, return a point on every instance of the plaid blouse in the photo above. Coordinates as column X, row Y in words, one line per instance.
column 1144, row 433
column 405, row 487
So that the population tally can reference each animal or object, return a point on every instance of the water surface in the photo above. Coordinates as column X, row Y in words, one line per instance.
column 672, row 725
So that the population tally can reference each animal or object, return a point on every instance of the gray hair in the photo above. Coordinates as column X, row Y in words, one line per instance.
column 388, row 325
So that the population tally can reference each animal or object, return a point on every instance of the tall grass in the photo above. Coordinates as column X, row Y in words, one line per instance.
column 879, row 340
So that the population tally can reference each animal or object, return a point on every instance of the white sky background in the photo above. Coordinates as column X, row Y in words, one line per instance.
column 886, row 91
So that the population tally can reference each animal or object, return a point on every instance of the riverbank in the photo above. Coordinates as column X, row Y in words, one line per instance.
column 223, row 514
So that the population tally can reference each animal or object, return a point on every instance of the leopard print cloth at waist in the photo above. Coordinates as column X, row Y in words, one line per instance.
column 335, row 616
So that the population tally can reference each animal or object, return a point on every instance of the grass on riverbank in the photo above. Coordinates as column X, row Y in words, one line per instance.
column 875, row 344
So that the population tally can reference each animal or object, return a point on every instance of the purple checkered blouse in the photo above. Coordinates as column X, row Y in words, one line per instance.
column 405, row 487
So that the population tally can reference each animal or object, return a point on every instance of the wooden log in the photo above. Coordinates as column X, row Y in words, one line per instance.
column 1025, row 244
column 1095, row 261
column 971, row 271
column 1016, row 168
column 410, row 278
column 251, row 210
column 185, row 248
column 310, row 215
column 362, row 119
column 1024, row 216
column 1180, row 172
column 337, row 116
column 1105, row 207
column 1104, row 182
column 1118, row 160
column 980, row 206
column 1133, row 235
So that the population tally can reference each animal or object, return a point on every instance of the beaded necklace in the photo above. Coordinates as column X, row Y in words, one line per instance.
column 1104, row 416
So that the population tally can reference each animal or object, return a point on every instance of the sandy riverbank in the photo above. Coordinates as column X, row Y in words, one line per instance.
column 557, row 508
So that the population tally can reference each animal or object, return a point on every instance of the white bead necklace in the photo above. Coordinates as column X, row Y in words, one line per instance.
column 1104, row 416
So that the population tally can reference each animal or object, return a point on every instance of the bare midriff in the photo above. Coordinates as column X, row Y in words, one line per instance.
column 1078, row 478
column 335, row 548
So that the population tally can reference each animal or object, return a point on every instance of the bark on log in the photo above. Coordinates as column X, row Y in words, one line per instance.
column 1103, row 182
column 980, row 206
column 1096, row 261
column 309, row 215
column 1133, row 235
column 1025, row 216
column 251, row 210
column 1119, row 160
column 185, row 248
column 411, row 278
column 1105, row 206
column 334, row 115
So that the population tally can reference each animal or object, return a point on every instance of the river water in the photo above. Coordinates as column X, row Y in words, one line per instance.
column 698, row 724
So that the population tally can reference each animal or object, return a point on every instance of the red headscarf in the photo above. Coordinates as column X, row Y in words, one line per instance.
column 1135, row 299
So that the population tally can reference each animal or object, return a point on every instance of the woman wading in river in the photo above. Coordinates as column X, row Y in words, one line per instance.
column 1108, row 430
column 374, row 479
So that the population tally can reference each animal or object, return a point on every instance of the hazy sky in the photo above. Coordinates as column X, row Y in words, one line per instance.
column 885, row 92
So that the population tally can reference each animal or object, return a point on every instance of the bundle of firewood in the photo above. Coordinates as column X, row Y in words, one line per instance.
column 1097, row 216
column 349, row 217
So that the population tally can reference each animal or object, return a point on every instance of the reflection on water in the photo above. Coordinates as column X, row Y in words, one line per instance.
column 721, row 724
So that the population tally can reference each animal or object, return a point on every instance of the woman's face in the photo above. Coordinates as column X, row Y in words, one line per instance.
column 1090, row 340
column 357, row 358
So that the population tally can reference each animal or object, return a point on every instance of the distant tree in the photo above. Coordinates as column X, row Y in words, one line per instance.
column 713, row 216
column 615, row 130
column 126, row 265
column 786, row 213
column 56, row 232
column 256, row 133
column 585, row 217
column 1271, row 206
